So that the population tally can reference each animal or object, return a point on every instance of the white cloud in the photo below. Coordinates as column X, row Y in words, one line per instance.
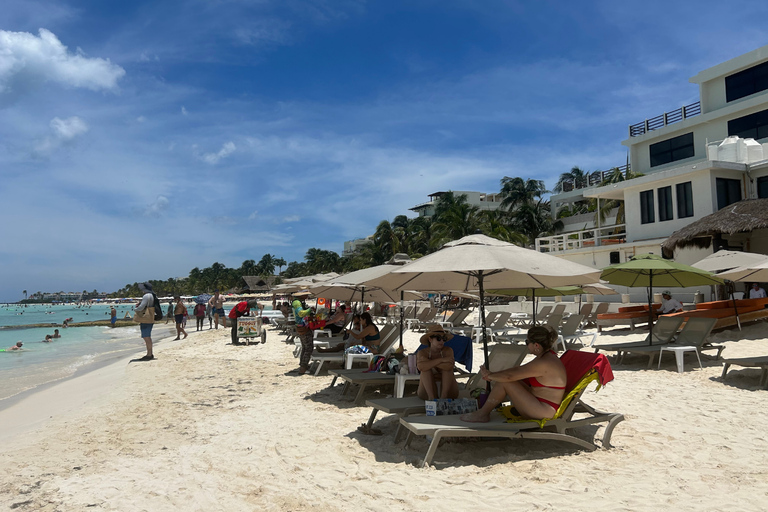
column 27, row 59
column 254, row 215
column 68, row 129
column 141, row 119
column 184, row 111
column 213, row 158
column 291, row 218
column 63, row 131
column 156, row 208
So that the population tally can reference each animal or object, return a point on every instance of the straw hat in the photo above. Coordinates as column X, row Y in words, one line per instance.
column 433, row 330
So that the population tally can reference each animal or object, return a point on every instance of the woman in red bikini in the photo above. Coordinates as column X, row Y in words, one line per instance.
column 535, row 389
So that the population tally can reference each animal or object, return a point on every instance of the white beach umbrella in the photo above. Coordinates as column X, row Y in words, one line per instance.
column 757, row 272
column 477, row 262
column 722, row 261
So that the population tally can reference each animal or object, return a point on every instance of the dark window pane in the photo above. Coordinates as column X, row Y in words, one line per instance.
column 754, row 126
column 684, row 200
column 672, row 150
column 665, row 203
column 762, row 187
column 646, row 207
column 728, row 192
column 746, row 82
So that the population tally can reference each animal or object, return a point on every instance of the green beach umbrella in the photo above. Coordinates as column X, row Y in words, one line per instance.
column 649, row 270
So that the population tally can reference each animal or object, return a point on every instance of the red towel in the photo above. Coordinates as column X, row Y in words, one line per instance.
column 578, row 364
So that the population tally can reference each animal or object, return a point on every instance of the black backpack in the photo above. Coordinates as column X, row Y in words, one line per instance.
column 158, row 308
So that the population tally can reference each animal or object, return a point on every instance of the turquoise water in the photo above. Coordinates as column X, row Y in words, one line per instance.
column 79, row 349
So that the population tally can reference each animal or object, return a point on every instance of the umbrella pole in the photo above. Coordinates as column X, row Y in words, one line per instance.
column 482, row 325
column 402, row 304
column 735, row 309
column 650, row 309
column 533, row 290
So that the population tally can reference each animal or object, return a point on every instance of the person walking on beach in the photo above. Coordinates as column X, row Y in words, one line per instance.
column 305, row 335
column 209, row 315
column 169, row 315
column 148, row 300
column 217, row 301
column 112, row 316
column 199, row 316
column 179, row 316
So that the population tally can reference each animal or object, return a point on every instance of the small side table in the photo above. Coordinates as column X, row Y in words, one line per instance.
column 679, row 354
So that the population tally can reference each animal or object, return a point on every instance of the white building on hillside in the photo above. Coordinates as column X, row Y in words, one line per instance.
column 480, row 199
column 695, row 160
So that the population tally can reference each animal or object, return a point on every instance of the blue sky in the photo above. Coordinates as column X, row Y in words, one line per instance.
column 141, row 139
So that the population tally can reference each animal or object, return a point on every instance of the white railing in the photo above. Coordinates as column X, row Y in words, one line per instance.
column 606, row 235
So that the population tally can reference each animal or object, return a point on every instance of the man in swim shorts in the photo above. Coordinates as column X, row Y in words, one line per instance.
column 112, row 316
column 217, row 301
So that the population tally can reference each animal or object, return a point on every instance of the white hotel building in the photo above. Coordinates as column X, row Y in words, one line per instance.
column 695, row 160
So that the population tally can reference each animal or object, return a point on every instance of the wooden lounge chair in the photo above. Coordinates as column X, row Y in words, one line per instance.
column 500, row 358
column 440, row 427
column 749, row 362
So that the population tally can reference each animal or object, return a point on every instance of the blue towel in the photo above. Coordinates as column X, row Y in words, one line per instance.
column 462, row 350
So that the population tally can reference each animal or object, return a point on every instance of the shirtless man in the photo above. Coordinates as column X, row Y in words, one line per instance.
column 217, row 301
column 112, row 316
column 56, row 333
column 17, row 346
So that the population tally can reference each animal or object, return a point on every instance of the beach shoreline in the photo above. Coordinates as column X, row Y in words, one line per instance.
column 211, row 426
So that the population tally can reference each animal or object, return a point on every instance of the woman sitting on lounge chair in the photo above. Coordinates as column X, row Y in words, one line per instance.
column 347, row 341
column 536, row 388
column 369, row 336
column 436, row 365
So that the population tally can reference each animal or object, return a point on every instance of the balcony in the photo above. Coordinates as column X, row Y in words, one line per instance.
column 664, row 119
column 607, row 235
column 596, row 178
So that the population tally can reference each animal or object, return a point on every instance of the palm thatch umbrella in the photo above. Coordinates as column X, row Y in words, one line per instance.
column 649, row 269
column 739, row 217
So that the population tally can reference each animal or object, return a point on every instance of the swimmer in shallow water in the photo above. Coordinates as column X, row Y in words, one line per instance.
column 17, row 346
column 48, row 338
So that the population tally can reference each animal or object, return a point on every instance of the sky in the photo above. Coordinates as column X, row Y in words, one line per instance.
column 141, row 139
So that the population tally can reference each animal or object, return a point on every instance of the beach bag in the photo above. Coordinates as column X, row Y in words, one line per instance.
column 378, row 363
column 145, row 316
column 158, row 309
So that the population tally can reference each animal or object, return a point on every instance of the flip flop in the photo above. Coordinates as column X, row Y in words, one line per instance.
column 370, row 431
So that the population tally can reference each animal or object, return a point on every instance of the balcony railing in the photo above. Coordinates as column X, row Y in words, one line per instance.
column 605, row 235
column 595, row 178
column 664, row 119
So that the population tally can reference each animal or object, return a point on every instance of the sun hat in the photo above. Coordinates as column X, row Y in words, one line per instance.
column 433, row 330
column 666, row 292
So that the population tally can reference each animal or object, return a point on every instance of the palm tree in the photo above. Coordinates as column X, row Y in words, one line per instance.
column 266, row 266
column 458, row 221
column 575, row 177
column 517, row 191
column 615, row 175
column 534, row 220
column 280, row 263
column 25, row 294
column 249, row 268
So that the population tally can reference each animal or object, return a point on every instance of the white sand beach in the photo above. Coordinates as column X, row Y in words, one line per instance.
column 210, row 426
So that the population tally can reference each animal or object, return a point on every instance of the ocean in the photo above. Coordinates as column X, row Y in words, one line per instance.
column 79, row 349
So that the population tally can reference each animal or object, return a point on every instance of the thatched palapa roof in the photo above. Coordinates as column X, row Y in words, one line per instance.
column 740, row 217
column 259, row 284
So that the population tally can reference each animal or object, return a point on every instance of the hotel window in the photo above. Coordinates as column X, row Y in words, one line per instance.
column 672, row 150
column 646, row 207
column 762, row 187
column 744, row 83
column 665, row 203
column 728, row 192
column 753, row 126
column 684, row 200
